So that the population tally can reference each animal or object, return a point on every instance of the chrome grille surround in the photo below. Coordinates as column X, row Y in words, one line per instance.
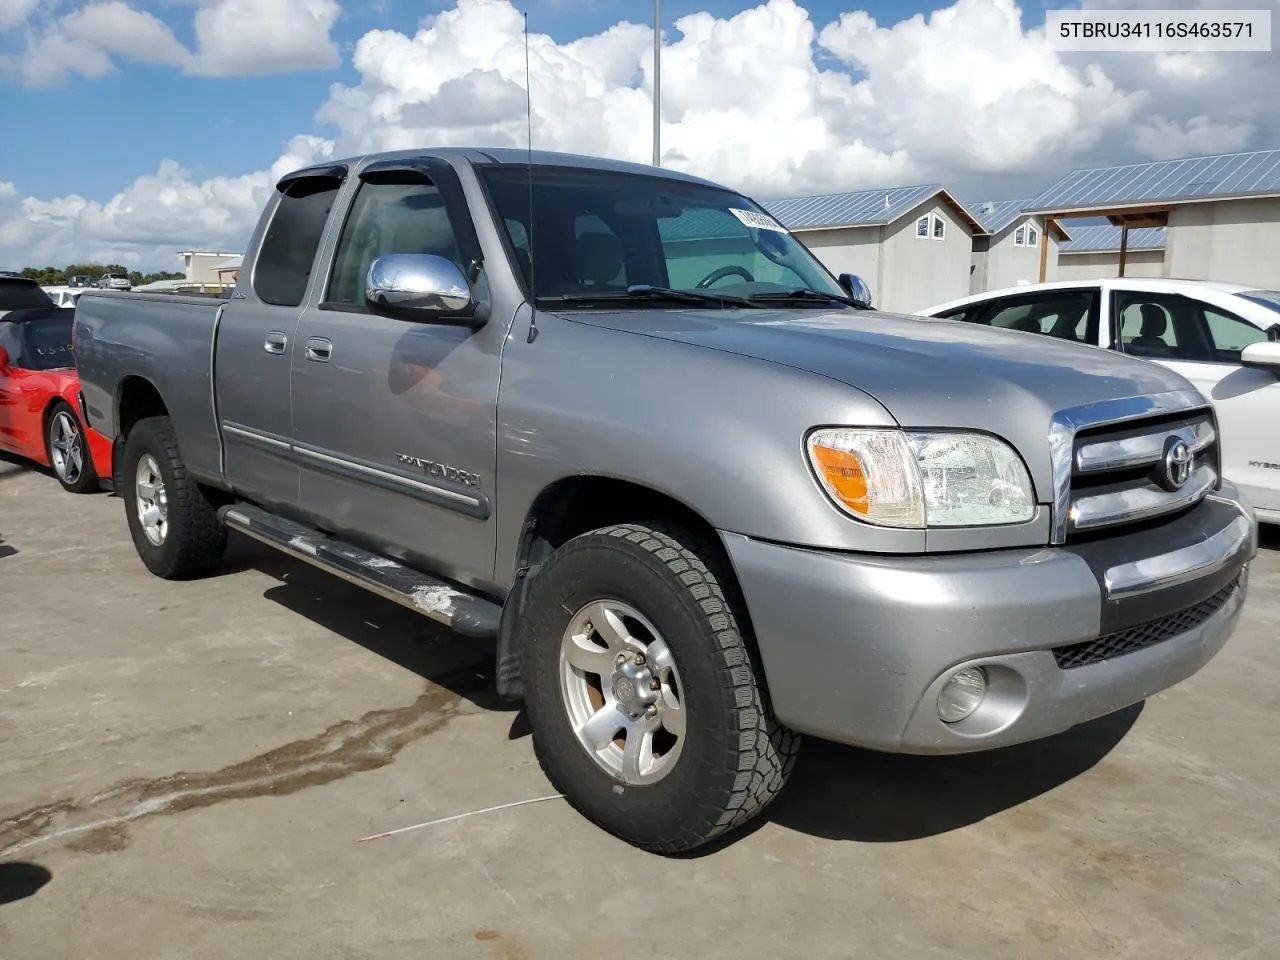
column 1126, row 446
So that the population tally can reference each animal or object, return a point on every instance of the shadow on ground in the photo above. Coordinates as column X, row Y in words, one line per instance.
column 836, row 792
column 462, row 665
column 21, row 880
column 843, row 793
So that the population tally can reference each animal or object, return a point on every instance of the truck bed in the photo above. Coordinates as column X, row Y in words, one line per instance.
column 163, row 338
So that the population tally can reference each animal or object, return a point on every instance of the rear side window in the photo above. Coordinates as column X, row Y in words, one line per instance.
column 288, row 251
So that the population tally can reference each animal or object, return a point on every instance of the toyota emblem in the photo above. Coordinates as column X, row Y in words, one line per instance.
column 1176, row 465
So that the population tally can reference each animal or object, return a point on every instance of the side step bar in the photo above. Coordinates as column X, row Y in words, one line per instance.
column 452, row 606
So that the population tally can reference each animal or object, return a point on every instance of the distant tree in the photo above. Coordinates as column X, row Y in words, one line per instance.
column 55, row 277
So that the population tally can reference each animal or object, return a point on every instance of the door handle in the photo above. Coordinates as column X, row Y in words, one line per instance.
column 319, row 349
column 275, row 342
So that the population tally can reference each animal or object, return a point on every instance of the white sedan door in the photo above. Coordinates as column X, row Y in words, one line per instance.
column 1203, row 343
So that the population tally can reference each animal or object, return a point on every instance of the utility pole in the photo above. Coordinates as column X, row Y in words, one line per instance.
column 657, row 82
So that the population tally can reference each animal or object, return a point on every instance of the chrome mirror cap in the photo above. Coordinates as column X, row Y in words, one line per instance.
column 418, row 285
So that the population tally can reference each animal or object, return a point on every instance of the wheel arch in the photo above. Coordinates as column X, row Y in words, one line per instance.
column 567, row 508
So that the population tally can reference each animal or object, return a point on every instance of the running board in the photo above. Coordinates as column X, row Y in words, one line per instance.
column 457, row 609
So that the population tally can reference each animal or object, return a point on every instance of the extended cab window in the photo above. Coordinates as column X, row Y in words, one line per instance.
column 405, row 217
column 288, row 250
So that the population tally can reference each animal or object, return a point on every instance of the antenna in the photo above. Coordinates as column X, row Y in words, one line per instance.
column 528, row 117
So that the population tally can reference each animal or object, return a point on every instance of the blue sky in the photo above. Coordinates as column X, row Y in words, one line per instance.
column 143, row 127
column 225, row 125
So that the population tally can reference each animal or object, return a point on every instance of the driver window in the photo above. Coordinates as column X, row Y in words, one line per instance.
column 1230, row 335
column 388, row 218
column 702, row 241
column 1147, row 325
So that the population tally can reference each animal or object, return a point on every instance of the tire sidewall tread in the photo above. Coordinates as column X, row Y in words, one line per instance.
column 736, row 757
column 196, row 538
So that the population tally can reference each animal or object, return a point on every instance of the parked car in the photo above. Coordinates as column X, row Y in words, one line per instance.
column 80, row 281
column 39, row 399
column 115, row 281
column 1220, row 336
column 703, row 497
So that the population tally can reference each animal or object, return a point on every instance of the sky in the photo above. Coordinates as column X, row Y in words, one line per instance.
column 133, row 129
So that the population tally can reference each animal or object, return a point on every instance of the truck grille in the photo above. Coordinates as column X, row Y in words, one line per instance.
column 1138, row 470
column 1132, row 639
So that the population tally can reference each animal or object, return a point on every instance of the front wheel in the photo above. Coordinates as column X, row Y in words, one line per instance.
column 647, row 703
column 68, row 450
column 175, row 528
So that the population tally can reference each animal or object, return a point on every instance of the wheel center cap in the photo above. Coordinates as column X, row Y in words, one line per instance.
column 632, row 686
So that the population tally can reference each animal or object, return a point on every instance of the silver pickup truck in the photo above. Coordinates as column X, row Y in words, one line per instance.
column 620, row 422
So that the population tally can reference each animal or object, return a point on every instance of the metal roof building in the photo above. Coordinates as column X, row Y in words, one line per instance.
column 1015, row 247
column 1095, row 252
column 1222, row 212
column 913, row 245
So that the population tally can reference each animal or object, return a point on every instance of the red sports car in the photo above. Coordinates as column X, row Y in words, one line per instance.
column 40, row 418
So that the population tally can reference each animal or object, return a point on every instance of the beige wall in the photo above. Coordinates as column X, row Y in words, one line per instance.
column 1232, row 240
column 919, row 273
column 199, row 266
column 1092, row 266
column 852, row 250
column 1007, row 264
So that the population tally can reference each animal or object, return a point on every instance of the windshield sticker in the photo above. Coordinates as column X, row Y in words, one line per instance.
column 758, row 221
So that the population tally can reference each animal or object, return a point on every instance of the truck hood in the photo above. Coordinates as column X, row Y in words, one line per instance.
column 926, row 372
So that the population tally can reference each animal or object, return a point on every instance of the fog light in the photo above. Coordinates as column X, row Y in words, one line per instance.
column 961, row 694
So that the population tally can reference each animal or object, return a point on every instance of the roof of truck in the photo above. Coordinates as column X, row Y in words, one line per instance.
column 512, row 155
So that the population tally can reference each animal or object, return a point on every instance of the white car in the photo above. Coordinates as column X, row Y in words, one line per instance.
column 63, row 296
column 1220, row 336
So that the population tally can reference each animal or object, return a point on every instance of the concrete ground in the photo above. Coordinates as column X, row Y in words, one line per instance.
column 186, row 770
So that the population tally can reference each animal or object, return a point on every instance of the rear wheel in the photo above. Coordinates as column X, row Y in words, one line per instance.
column 648, row 707
column 68, row 451
column 175, row 528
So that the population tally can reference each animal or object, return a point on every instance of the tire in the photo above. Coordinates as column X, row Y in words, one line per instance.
column 188, row 538
column 734, row 757
column 68, row 450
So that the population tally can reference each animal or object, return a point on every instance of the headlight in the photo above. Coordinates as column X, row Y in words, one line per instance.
column 917, row 479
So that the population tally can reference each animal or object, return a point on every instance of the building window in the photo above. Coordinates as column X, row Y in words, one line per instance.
column 1026, row 236
column 931, row 226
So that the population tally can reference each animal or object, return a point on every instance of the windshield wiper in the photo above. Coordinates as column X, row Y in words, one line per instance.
column 649, row 292
column 805, row 293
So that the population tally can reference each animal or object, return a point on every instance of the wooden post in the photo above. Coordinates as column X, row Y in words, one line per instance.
column 1124, row 246
column 1044, row 247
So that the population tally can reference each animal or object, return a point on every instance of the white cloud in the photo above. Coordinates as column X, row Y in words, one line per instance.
column 765, row 100
column 241, row 37
column 233, row 38
column 150, row 220
column 14, row 13
column 85, row 41
column 1162, row 139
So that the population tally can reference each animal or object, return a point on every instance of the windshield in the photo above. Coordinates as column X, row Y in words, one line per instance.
column 1268, row 298
column 597, row 232
column 46, row 342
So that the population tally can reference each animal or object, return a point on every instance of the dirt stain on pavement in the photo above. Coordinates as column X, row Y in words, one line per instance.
column 100, row 823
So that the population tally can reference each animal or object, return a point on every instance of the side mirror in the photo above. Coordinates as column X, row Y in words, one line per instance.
column 856, row 287
column 420, row 286
column 4, row 359
column 1265, row 354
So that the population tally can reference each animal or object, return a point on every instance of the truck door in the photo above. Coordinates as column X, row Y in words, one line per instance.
column 394, row 420
column 255, row 340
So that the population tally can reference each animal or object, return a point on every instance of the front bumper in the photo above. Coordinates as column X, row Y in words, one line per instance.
column 856, row 647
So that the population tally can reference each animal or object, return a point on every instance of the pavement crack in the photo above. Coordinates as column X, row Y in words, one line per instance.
column 100, row 822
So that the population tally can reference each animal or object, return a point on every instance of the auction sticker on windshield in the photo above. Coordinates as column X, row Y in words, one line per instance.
column 758, row 221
